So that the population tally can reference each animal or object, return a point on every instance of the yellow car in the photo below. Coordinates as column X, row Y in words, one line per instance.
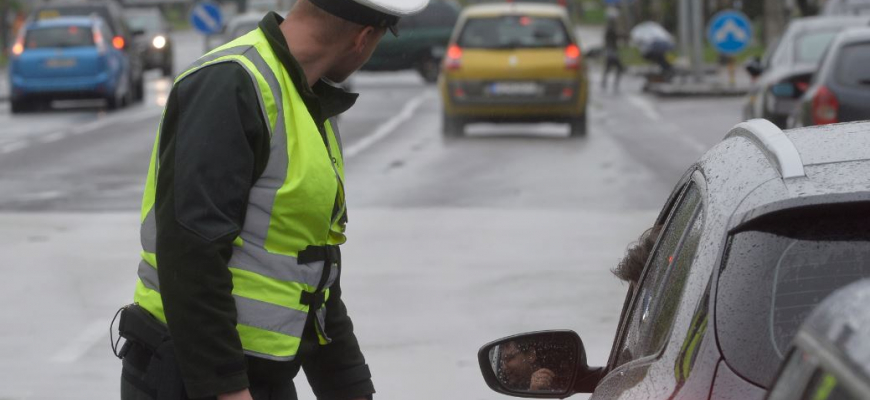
column 513, row 62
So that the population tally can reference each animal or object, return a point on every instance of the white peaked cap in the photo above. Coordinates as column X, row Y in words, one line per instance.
column 381, row 13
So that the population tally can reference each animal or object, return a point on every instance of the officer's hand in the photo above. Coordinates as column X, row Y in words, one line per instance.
column 240, row 395
column 542, row 379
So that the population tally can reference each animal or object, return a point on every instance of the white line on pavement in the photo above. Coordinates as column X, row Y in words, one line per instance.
column 672, row 130
column 388, row 127
column 97, row 330
column 645, row 106
column 52, row 137
column 14, row 146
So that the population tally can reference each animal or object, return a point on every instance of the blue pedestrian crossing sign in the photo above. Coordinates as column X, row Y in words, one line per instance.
column 207, row 18
column 730, row 32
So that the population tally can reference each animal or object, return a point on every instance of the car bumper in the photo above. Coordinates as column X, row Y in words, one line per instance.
column 554, row 101
column 155, row 58
column 62, row 87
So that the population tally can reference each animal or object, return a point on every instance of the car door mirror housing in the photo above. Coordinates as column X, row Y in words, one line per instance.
column 547, row 364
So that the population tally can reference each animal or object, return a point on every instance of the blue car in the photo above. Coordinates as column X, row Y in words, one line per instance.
column 69, row 58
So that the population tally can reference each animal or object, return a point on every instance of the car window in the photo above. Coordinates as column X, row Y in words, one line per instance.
column 658, row 296
column 514, row 31
column 852, row 65
column 55, row 37
column 810, row 46
column 144, row 22
column 825, row 386
column 71, row 10
column 777, row 269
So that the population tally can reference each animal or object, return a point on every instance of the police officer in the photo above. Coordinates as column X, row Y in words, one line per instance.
column 243, row 212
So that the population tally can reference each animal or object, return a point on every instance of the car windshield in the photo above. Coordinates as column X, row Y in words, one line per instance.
column 144, row 22
column 68, row 11
column 776, row 271
column 852, row 65
column 515, row 31
column 54, row 37
column 810, row 46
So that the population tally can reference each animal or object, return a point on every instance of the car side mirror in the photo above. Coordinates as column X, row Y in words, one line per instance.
column 754, row 67
column 547, row 364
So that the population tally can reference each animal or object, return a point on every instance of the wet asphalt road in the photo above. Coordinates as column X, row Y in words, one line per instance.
column 452, row 243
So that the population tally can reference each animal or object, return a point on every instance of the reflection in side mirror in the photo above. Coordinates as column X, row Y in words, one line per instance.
column 542, row 364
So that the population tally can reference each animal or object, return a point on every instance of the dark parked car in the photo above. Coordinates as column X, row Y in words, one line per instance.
column 784, row 74
column 828, row 359
column 421, row 44
column 121, row 36
column 762, row 228
column 155, row 39
column 68, row 58
column 846, row 7
column 840, row 90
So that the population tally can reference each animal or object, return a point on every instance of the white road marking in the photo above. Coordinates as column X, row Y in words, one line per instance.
column 52, row 137
column 14, row 146
column 387, row 128
column 645, row 106
column 95, row 331
column 690, row 141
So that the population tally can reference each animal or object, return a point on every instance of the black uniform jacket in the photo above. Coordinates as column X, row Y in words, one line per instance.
column 213, row 146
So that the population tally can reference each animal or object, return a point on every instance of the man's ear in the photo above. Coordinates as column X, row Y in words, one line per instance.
column 362, row 38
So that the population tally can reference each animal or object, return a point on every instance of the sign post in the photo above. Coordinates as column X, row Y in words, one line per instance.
column 208, row 19
column 730, row 32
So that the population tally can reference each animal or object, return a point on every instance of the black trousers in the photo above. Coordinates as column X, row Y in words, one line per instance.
column 138, row 382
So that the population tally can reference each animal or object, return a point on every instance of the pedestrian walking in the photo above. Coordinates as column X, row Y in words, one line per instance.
column 612, row 39
column 244, row 211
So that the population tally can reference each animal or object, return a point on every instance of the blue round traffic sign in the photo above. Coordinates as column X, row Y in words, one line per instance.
column 206, row 17
column 730, row 32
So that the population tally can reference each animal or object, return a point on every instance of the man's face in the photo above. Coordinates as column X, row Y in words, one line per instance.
column 517, row 364
column 357, row 59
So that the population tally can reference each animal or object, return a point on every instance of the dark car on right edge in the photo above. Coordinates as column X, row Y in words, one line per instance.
column 840, row 90
column 784, row 73
column 758, row 232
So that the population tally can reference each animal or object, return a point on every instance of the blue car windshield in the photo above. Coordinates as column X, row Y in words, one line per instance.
column 59, row 37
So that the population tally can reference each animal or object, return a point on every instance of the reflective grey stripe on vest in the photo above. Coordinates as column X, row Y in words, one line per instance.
column 148, row 231
column 333, row 122
column 258, row 314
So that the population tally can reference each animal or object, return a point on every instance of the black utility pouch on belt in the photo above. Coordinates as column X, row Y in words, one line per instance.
column 150, row 353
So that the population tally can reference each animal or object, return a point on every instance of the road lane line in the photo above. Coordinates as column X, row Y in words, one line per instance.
column 672, row 130
column 645, row 106
column 52, row 137
column 95, row 331
column 15, row 146
column 387, row 128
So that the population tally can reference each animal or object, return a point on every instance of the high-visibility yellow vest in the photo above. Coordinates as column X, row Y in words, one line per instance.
column 295, row 210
